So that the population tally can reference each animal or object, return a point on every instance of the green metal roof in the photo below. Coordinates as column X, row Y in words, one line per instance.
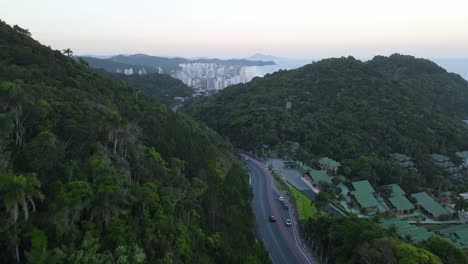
column 328, row 163
column 462, row 154
column 440, row 158
column 363, row 186
column 395, row 190
column 458, row 234
column 429, row 204
column 400, row 157
column 404, row 229
column 319, row 176
column 401, row 203
column 365, row 199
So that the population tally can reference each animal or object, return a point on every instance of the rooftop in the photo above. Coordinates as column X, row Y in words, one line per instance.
column 363, row 186
column 400, row 157
column 462, row 154
column 327, row 163
column 395, row 190
column 405, row 229
column 401, row 203
column 365, row 199
column 429, row 204
column 319, row 176
column 440, row 158
column 457, row 234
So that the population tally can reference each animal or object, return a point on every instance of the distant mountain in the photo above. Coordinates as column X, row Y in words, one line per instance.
column 169, row 65
column 262, row 57
column 166, row 64
column 113, row 66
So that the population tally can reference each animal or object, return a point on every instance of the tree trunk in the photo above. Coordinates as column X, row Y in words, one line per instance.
column 25, row 210
column 17, row 253
column 15, row 211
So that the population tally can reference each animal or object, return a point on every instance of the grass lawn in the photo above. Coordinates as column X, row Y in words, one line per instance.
column 304, row 206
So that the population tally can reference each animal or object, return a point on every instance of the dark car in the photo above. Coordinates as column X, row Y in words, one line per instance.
column 285, row 206
column 272, row 218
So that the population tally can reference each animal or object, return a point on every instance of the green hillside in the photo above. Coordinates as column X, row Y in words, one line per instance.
column 113, row 66
column 161, row 87
column 91, row 171
column 349, row 110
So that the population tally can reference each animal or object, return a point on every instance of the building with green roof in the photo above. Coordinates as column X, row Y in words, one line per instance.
column 401, row 204
column 457, row 234
column 430, row 206
column 319, row 177
column 445, row 163
column 406, row 230
column 402, row 160
column 363, row 195
column 394, row 190
column 464, row 156
column 366, row 201
column 395, row 197
column 329, row 165
column 363, row 186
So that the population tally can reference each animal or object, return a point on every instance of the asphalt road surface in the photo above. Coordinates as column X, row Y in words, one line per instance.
column 282, row 242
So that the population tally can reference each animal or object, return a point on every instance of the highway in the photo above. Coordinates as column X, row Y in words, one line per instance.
column 282, row 242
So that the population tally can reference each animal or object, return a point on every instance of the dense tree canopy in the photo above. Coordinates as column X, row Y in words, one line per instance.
column 352, row 111
column 162, row 87
column 92, row 171
column 353, row 240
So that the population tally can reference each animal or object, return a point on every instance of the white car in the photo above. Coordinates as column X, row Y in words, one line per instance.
column 288, row 222
column 281, row 199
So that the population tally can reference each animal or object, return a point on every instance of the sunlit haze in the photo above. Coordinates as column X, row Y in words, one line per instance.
column 214, row 28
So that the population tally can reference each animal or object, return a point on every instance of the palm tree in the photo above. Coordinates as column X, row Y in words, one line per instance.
column 460, row 205
column 15, row 192
column 67, row 52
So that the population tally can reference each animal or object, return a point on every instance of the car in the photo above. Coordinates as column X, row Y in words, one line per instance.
column 281, row 199
column 285, row 206
column 288, row 222
column 272, row 218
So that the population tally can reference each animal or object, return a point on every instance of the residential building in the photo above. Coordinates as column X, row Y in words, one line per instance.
column 319, row 178
column 363, row 194
column 395, row 197
column 445, row 163
column 430, row 207
column 330, row 165
column 463, row 155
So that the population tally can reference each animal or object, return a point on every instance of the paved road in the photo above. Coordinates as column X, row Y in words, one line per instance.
column 282, row 242
column 294, row 177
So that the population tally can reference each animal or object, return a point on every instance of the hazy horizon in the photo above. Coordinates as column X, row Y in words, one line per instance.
column 221, row 29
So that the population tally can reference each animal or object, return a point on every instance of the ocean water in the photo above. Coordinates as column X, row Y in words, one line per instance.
column 459, row 66
column 260, row 71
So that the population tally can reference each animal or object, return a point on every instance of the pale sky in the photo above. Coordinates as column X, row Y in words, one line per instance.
column 239, row 28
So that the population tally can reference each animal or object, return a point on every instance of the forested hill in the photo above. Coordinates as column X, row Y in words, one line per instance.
column 448, row 90
column 92, row 172
column 342, row 108
column 113, row 66
column 161, row 87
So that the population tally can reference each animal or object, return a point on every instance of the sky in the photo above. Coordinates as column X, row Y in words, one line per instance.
column 240, row 28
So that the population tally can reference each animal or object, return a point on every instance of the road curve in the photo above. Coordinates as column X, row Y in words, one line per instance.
column 282, row 242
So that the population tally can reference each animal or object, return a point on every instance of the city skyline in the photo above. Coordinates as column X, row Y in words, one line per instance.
column 298, row 29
